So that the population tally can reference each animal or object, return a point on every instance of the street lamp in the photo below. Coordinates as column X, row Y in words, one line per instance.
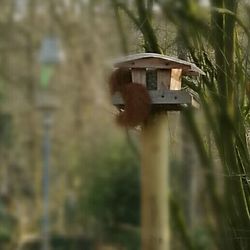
column 50, row 55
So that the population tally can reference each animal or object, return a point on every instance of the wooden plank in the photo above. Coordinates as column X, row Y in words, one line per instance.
column 175, row 83
column 154, row 64
column 171, row 97
column 139, row 76
column 147, row 60
column 163, row 79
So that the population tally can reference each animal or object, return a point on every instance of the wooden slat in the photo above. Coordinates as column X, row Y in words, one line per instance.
column 152, row 60
column 163, row 79
column 175, row 83
column 162, row 98
column 171, row 97
column 154, row 64
column 139, row 76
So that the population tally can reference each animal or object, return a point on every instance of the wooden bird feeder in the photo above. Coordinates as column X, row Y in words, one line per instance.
column 162, row 77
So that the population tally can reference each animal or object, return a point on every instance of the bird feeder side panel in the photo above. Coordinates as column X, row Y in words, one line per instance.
column 139, row 76
column 175, row 83
column 163, row 79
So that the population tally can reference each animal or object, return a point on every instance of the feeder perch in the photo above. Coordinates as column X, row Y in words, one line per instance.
column 161, row 75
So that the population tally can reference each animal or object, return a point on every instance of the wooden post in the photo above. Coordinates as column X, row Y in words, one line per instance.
column 154, row 183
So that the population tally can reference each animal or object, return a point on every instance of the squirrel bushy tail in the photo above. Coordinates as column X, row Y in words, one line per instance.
column 136, row 98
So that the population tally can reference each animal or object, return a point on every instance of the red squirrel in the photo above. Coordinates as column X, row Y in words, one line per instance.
column 135, row 96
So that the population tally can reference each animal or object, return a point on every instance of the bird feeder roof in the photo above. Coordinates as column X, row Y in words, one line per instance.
column 158, row 61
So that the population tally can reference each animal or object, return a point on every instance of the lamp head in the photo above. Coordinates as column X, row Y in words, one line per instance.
column 50, row 52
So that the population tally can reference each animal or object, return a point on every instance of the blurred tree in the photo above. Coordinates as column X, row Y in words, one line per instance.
column 23, row 24
column 7, row 227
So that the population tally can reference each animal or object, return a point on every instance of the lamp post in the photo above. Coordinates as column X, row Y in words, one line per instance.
column 49, row 56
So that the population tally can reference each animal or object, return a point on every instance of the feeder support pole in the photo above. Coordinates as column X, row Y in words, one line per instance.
column 155, row 184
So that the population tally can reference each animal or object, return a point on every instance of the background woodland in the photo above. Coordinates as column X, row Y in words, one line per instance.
column 95, row 172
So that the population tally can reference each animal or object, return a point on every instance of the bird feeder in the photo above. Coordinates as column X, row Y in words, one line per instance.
column 161, row 75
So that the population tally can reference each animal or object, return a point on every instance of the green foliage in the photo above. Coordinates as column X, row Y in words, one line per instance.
column 60, row 242
column 8, row 223
column 125, row 237
column 201, row 238
column 5, row 129
column 113, row 192
column 1, row 90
